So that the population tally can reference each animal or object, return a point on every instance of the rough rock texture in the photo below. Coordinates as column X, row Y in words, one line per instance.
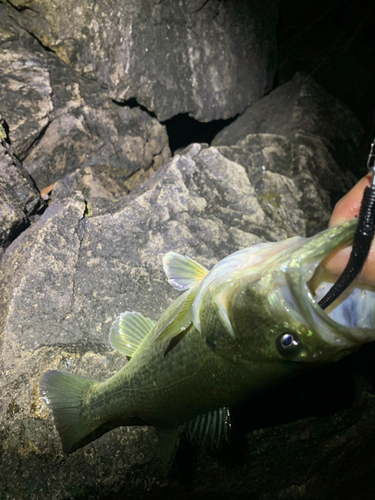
column 19, row 199
column 94, row 253
column 301, row 132
column 89, row 130
column 155, row 51
column 117, row 140
column 25, row 90
column 61, row 284
column 304, row 160
column 302, row 107
column 59, row 122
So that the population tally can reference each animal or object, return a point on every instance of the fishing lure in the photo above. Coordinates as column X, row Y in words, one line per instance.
column 362, row 238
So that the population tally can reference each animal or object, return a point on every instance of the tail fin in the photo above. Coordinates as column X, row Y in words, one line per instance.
column 64, row 393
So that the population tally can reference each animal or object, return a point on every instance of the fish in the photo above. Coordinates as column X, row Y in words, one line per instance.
column 250, row 323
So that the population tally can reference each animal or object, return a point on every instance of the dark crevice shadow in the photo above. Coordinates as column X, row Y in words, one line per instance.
column 183, row 130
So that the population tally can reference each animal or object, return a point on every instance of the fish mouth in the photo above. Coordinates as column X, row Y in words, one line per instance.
column 350, row 320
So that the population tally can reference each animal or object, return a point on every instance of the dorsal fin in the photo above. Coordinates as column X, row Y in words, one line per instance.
column 210, row 428
column 128, row 331
column 176, row 320
column 182, row 272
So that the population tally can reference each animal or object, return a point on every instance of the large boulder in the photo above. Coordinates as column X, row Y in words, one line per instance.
column 302, row 132
column 59, row 121
column 301, row 107
column 304, row 160
column 210, row 59
column 64, row 280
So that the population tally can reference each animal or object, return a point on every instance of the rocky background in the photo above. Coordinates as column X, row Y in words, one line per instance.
column 91, row 198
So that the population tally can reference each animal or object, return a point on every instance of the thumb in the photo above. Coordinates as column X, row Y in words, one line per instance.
column 347, row 208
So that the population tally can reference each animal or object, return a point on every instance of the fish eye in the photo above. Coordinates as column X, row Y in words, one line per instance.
column 288, row 344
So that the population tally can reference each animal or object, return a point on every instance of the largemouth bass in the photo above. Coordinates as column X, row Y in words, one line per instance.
column 251, row 322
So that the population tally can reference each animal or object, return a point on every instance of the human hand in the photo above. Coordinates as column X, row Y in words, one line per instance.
column 347, row 208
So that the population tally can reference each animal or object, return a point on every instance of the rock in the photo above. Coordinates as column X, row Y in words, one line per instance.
column 19, row 199
column 25, row 90
column 59, row 122
column 3, row 132
column 102, row 186
column 306, row 161
column 300, row 132
column 301, row 107
column 210, row 59
column 116, row 141
column 67, row 276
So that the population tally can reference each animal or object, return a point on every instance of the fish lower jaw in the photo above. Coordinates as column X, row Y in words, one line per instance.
column 296, row 302
column 348, row 322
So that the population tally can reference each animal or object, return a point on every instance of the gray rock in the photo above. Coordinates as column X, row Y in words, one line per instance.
column 301, row 107
column 210, row 59
column 115, row 141
column 303, row 134
column 101, row 186
column 303, row 159
column 25, row 90
column 64, row 280
column 19, row 199
column 60, row 122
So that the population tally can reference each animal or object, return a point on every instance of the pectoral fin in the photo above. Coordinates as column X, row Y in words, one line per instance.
column 210, row 428
column 182, row 272
column 175, row 321
column 128, row 331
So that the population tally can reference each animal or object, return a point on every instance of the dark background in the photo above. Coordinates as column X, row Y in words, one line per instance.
column 332, row 41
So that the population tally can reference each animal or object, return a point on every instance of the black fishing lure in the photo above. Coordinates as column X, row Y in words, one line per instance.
column 362, row 239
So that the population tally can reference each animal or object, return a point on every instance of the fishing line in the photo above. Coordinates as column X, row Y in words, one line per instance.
column 362, row 238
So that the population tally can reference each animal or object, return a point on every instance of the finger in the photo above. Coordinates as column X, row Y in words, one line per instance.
column 337, row 261
column 347, row 208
